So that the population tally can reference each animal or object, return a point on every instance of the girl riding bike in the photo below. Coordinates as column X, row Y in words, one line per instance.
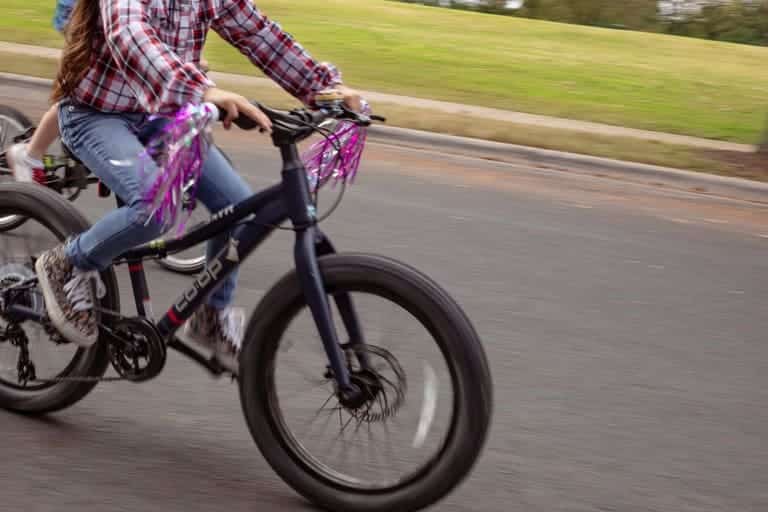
column 125, row 60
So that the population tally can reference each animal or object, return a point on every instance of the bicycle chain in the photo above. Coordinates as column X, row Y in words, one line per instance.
column 77, row 379
column 50, row 331
column 47, row 325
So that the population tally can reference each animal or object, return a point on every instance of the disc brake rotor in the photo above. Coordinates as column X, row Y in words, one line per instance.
column 381, row 379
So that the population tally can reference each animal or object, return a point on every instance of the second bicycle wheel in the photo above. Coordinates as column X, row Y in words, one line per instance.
column 428, row 391
column 192, row 260
column 12, row 124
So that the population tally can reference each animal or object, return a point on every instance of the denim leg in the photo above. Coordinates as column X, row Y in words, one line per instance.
column 108, row 145
column 221, row 186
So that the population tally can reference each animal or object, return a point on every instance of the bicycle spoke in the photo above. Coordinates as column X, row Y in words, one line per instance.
column 362, row 446
column 308, row 424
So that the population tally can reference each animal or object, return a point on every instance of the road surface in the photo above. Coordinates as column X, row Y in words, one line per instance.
column 626, row 328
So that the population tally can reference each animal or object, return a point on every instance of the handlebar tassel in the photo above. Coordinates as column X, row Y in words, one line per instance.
column 178, row 150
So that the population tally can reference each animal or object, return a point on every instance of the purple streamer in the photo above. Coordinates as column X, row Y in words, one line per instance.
column 179, row 150
column 180, row 147
column 336, row 157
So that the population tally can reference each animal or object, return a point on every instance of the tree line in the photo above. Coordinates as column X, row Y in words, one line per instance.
column 737, row 21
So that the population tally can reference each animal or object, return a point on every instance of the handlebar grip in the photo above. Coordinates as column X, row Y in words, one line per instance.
column 243, row 122
column 215, row 112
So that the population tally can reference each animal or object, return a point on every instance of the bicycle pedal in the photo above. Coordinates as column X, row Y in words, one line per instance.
column 215, row 369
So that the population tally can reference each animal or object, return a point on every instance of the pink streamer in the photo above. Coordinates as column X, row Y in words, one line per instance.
column 180, row 147
column 179, row 150
column 336, row 157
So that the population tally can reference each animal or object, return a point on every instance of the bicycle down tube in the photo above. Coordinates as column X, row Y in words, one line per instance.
column 251, row 222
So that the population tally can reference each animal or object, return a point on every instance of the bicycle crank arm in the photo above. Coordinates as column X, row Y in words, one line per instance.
column 210, row 364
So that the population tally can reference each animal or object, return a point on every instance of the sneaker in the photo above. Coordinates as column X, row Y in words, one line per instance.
column 25, row 168
column 69, row 296
column 219, row 330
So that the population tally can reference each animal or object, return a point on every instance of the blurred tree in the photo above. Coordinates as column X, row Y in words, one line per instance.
column 738, row 21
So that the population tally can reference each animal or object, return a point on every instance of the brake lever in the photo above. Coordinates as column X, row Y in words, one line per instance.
column 359, row 118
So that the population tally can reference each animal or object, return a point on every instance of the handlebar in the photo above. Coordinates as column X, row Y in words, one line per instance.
column 299, row 123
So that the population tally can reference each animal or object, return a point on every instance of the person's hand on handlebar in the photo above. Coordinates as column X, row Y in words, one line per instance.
column 352, row 98
column 234, row 105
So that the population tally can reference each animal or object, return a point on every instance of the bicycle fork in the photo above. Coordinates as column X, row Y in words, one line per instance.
column 311, row 243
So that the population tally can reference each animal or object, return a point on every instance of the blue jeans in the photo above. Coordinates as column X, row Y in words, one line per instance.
column 109, row 145
column 62, row 14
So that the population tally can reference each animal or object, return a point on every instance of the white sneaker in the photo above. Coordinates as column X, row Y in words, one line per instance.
column 69, row 296
column 25, row 168
column 219, row 330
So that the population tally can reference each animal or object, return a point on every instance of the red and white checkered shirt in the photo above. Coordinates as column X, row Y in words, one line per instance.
column 146, row 59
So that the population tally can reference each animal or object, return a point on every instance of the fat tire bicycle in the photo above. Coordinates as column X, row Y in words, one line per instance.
column 69, row 177
column 364, row 385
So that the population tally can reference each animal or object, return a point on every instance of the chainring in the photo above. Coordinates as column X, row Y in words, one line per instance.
column 136, row 350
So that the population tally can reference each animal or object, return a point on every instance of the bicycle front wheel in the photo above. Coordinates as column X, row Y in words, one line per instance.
column 428, row 391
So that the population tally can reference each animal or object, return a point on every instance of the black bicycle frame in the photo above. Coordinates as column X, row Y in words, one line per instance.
column 251, row 222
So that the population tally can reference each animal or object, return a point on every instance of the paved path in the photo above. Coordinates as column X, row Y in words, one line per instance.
column 625, row 326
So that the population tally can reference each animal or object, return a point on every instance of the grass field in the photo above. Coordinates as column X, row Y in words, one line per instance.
column 743, row 165
column 664, row 83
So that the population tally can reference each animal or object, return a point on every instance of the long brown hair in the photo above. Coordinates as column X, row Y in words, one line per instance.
column 81, row 34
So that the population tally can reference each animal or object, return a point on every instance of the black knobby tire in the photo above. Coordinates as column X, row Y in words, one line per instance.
column 459, row 345
column 22, row 123
column 62, row 219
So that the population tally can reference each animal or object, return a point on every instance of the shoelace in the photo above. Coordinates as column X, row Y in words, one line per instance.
column 79, row 292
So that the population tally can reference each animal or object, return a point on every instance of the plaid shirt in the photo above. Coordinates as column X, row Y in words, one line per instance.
column 146, row 57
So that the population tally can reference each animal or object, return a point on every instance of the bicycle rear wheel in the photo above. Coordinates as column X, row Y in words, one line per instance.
column 432, row 400
column 12, row 124
column 50, row 220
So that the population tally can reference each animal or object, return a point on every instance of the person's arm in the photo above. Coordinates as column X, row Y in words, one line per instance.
column 273, row 51
column 159, row 79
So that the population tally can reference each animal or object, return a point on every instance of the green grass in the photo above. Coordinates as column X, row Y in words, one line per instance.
column 688, row 86
column 629, row 149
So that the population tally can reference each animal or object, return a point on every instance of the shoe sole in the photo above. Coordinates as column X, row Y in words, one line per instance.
column 55, row 313
column 227, row 362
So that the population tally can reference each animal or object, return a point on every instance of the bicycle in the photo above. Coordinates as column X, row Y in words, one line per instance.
column 69, row 177
column 360, row 383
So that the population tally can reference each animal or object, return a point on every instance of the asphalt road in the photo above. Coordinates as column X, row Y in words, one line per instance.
column 625, row 325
